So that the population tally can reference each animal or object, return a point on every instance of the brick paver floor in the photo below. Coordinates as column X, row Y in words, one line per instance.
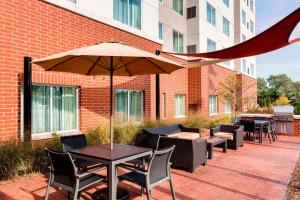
column 255, row 171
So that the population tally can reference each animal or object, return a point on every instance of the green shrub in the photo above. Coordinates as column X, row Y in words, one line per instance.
column 196, row 121
column 125, row 133
column 98, row 136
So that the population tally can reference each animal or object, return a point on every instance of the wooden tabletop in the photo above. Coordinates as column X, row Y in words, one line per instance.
column 103, row 151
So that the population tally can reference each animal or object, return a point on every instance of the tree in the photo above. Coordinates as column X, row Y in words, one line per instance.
column 261, row 84
column 283, row 84
column 230, row 90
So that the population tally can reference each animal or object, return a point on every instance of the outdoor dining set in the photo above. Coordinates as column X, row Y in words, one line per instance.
column 148, row 161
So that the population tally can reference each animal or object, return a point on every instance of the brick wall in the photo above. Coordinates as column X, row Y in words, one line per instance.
column 248, row 94
column 297, row 127
column 204, row 82
column 37, row 29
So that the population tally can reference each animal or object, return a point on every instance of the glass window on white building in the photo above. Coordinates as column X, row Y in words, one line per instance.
column 191, row 48
column 226, row 2
column 213, row 104
column 160, row 30
column 129, row 106
column 244, row 65
column 251, row 26
column 210, row 14
column 178, row 6
column 243, row 38
column 128, row 12
column 251, row 5
column 243, row 17
column 252, row 69
column 226, row 27
column 177, row 42
column 179, row 103
column 73, row 1
column 191, row 12
column 211, row 45
column 54, row 109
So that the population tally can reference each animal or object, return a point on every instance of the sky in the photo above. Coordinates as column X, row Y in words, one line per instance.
column 287, row 59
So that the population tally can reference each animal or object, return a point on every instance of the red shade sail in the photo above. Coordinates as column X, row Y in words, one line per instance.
column 271, row 39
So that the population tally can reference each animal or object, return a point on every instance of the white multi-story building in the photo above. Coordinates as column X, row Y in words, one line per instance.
column 208, row 25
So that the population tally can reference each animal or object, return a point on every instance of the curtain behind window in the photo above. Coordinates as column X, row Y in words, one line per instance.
column 135, row 114
column 122, row 106
column 135, row 13
column 69, row 106
column 56, row 108
column 121, row 11
column 179, row 105
column 40, row 109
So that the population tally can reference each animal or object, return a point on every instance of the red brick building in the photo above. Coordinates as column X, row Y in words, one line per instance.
column 36, row 28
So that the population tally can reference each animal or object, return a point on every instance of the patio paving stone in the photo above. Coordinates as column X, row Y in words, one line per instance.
column 255, row 171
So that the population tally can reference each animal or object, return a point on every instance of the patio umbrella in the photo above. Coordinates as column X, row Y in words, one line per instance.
column 108, row 58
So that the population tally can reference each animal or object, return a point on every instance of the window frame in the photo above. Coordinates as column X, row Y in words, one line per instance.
column 212, row 42
column 226, row 26
column 128, row 105
column 190, row 11
column 210, row 109
column 184, row 106
column 45, row 135
column 211, row 18
column 251, row 26
column 244, row 18
column 128, row 15
column 177, row 49
column 180, row 12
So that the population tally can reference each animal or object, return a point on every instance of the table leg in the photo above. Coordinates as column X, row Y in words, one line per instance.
column 210, row 152
column 225, row 147
column 112, row 181
column 261, row 134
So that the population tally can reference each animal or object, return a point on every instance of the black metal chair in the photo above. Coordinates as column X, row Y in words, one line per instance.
column 143, row 140
column 63, row 174
column 157, row 172
column 267, row 129
column 249, row 127
column 76, row 142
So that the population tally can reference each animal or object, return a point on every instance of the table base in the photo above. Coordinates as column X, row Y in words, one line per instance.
column 102, row 194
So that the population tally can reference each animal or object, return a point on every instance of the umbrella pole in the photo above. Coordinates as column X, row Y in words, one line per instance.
column 111, row 73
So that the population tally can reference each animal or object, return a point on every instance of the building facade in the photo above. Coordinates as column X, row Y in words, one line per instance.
column 207, row 25
column 64, row 103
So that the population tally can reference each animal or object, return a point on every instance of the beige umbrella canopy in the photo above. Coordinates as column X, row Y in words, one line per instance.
column 108, row 58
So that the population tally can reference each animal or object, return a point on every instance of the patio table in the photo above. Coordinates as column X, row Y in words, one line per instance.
column 103, row 154
column 260, row 124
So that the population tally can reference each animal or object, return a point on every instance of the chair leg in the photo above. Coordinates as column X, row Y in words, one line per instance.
column 148, row 194
column 172, row 189
column 48, row 189
column 142, row 191
column 69, row 195
column 270, row 137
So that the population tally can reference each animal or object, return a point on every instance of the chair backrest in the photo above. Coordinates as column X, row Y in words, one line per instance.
column 165, row 130
column 147, row 141
column 249, row 125
column 159, row 164
column 73, row 142
column 62, row 167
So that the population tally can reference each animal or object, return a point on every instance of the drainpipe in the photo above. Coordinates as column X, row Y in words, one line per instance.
column 157, row 85
column 27, row 90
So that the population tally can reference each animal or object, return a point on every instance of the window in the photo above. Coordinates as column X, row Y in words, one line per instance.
column 54, row 109
column 163, row 105
column 191, row 12
column 128, row 12
column 192, row 48
column 226, row 2
column 161, row 1
column 160, row 30
column 251, row 26
column 227, row 106
column 211, row 45
column 244, row 38
column 251, row 5
column 178, row 6
column 211, row 14
column 226, row 30
column 213, row 104
column 177, row 42
column 244, row 17
column 179, row 105
column 73, row 1
column 252, row 69
column 244, row 66
column 129, row 106
column 227, row 63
